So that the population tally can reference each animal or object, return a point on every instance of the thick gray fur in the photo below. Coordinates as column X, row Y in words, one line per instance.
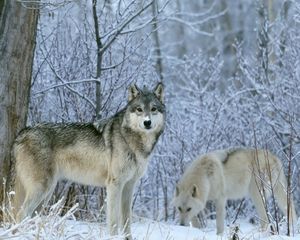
column 113, row 152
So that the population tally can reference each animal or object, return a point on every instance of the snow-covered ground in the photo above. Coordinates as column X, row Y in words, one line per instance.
column 142, row 230
column 55, row 227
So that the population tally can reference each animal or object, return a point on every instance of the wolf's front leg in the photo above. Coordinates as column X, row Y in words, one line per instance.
column 126, row 201
column 196, row 222
column 113, row 206
column 220, row 215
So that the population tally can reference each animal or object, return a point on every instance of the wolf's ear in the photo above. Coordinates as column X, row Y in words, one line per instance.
column 133, row 92
column 194, row 191
column 176, row 191
column 159, row 92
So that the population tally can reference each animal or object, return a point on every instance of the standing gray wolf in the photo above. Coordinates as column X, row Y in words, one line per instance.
column 112, row 153
column 230, row 174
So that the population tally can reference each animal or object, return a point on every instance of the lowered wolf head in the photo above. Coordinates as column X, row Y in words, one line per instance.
column 145, row 111
column 188, row 203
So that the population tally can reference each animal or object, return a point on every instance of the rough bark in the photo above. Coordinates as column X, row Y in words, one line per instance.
column 17, row 42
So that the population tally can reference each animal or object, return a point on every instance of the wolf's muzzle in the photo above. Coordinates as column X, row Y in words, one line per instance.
column 147, row 124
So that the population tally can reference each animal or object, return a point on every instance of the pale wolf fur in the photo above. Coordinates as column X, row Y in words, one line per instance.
column 112, row 153
column 230, row 174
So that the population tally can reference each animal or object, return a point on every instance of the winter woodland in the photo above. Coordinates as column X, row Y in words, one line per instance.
column 231, row 72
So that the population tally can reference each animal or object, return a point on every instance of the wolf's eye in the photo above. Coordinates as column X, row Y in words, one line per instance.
column 189, row 209
column 153, row 109
column 139, row 109
column 179, row 208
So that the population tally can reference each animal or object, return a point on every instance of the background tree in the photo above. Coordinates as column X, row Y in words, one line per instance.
column 17, row 42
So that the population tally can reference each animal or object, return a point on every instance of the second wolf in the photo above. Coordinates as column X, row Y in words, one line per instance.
column 231, row 174
column 112, row 153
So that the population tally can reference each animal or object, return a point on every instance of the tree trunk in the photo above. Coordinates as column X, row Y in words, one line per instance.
column 17, row 42
column 99, row 61
column 158, row 55
column 181, row 34
column 263, row 42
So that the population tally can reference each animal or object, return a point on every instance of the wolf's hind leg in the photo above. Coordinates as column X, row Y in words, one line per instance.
column 281, row 198
column 259, row 204
column 47, row 198
column 34, row 196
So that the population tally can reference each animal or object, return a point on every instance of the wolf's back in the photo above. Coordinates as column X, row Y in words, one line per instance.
column 59, row 135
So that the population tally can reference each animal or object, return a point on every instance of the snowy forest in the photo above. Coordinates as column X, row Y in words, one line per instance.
column 231, row 73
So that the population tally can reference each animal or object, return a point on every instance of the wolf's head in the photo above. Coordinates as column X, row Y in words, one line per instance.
column 188, row 203
column 145, row 111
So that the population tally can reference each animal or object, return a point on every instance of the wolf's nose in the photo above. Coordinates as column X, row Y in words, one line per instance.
column 147, row 123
